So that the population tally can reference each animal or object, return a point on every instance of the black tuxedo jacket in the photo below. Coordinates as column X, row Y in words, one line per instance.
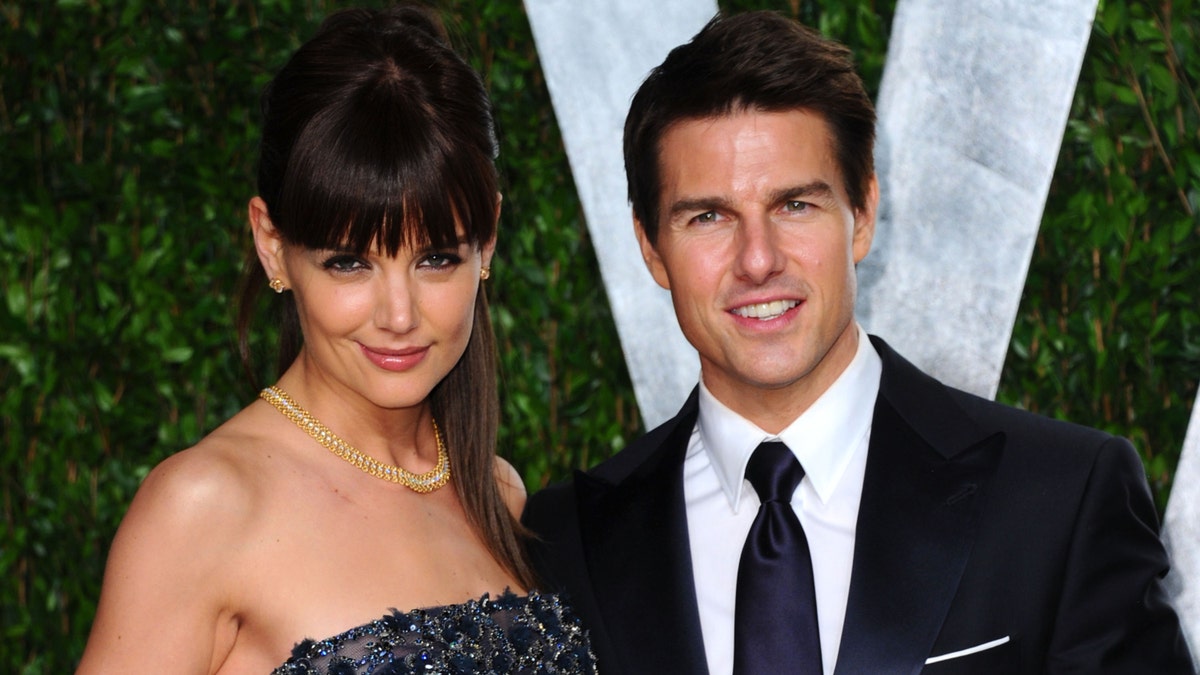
column 979, row 524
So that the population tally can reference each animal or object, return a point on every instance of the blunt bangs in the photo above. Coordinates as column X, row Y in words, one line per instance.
column 379, row 171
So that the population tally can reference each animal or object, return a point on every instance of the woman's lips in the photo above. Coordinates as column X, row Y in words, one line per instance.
column 395, row 360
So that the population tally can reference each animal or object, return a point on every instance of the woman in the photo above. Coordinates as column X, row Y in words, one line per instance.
column 365, row 479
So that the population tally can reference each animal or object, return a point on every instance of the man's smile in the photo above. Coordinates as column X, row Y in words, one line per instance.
column 765, row 311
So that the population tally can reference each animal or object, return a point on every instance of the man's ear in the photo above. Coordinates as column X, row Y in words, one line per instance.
column 268, row 242
column 864, row 222
column 650, row 255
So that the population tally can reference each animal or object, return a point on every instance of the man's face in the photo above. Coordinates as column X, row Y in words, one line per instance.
column 757, row 243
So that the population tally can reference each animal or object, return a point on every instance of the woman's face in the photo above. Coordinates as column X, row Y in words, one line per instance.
column 386, row 328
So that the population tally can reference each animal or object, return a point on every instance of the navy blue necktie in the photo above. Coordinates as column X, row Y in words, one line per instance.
column 775, row 619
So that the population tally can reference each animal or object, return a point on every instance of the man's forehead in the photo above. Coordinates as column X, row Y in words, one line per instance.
column 775, row 151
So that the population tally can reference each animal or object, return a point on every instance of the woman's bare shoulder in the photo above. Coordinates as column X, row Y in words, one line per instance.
column 214, row 480
column 512, row 488
column 171, row 577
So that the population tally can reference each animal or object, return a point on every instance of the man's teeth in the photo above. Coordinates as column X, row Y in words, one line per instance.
column 766, row 310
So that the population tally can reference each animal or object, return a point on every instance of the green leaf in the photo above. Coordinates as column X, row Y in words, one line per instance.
column 1164, row 81
column 21, row 358
column 177, row 354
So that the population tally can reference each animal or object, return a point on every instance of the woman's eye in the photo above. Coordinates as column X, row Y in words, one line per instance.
column 344, row 263
column 441, row 260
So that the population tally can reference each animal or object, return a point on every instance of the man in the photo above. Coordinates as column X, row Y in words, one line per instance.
column 931, row 531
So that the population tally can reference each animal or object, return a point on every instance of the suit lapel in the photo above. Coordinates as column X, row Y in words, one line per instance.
column 635, row 542
column 928, row 467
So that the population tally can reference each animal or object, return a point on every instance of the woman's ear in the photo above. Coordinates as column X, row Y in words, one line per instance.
column 268, row 242
column 489, row 247
column 486, row 251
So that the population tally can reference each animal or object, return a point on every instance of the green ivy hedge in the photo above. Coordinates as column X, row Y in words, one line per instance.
column 1108, row 333
column 128, row 139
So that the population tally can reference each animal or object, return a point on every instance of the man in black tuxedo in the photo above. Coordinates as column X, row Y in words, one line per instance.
column 819, row 505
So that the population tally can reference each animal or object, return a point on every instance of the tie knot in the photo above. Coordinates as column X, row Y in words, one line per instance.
column 774, row 472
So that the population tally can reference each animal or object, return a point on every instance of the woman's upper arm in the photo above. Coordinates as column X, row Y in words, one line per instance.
column 165, row 592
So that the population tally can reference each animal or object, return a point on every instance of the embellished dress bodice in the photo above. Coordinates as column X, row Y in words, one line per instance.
column 533, row 634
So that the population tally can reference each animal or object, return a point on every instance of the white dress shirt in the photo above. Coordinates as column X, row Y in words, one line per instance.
column 830, row 441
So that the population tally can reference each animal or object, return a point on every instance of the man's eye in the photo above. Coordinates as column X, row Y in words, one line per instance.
column 706, row 217
column 796, row 205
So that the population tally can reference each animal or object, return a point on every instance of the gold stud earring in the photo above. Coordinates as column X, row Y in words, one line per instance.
column 276, row 285
column 485, row 273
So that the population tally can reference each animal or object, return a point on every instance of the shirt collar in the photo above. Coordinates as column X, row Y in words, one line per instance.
column 823, row 437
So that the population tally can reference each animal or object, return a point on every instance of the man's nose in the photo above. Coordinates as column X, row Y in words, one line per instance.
column 759, row 256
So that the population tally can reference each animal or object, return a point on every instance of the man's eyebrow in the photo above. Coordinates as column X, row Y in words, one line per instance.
column 810, row 190
column 817, row 188
column 699, row 204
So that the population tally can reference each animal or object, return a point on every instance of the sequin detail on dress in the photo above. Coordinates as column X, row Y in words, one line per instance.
column 527, row 635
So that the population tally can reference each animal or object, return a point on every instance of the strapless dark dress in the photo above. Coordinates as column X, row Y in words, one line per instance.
column 532, row 634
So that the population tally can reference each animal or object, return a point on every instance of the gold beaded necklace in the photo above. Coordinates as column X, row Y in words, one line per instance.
column 417, row 482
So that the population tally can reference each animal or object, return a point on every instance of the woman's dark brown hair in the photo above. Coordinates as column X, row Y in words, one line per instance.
column 376, row 133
